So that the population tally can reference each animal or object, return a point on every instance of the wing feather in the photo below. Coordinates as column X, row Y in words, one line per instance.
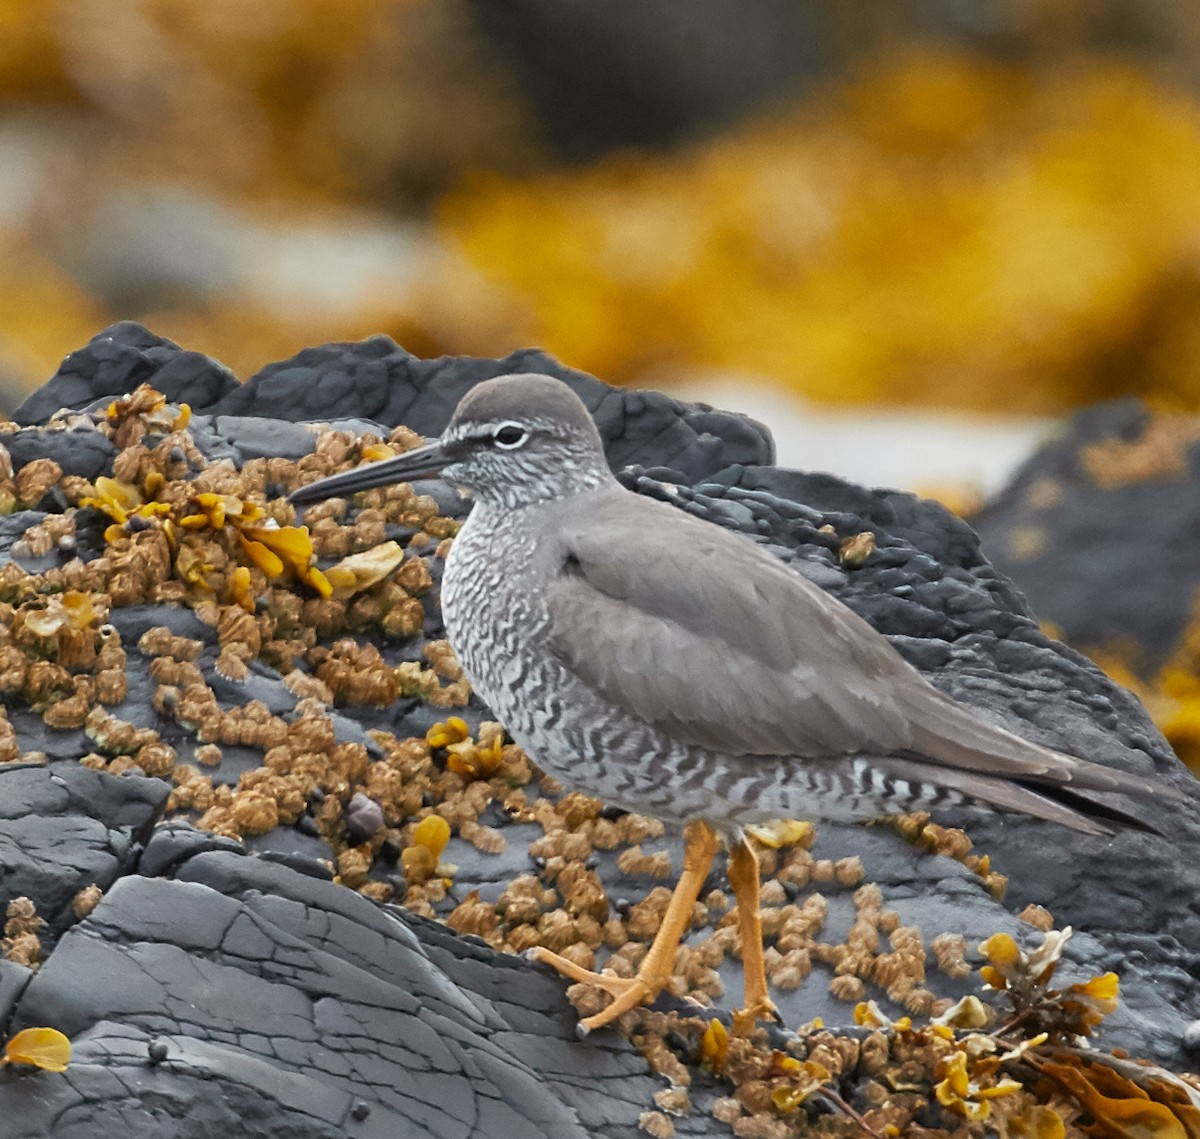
column 700, row 631
column 769, row 665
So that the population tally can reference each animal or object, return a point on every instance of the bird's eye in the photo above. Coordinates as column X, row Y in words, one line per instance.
column 510, row 436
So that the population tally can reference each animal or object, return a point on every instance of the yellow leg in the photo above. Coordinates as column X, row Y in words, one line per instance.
column 743, row 877
column 700, row 845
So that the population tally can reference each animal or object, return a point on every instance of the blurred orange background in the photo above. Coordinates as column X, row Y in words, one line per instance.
column 985, row 207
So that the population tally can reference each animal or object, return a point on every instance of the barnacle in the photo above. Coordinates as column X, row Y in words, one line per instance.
column 441, row 658
column 656, row 1124
column 637, row 828
column 9, row 749
column 1037, row 916
column 35, row 478
column 846, row 988
column 42, row 537
column 138, row 563
column 238, row 630
column 254, row 812
column 193, row 791
column 415, row 577
column 949, row 950
column 21, row 917
column 329, row 539
column 332, row 449
column 356, row 674
column 674, row 1100
column 86, row 900
column 69, row 713
column 8, row 486
column 161, row 642
column 303, row 684
column 634, row 861
column 323, row 616
column 208, row 754
column 21, row 927
column 353, row 865
column 116, row 737
column 149, row 405
column 155, row 757
column 44, row 682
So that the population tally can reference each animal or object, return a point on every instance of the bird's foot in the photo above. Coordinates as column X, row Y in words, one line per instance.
column 745, row 1019
column 626, row 992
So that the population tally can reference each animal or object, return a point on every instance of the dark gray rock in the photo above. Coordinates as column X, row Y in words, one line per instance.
column 79, row 451
column 64, row 827
column 272, row 1004
column 1113, row 566
column 260, row 437
column 376, row 380
column 118, row 359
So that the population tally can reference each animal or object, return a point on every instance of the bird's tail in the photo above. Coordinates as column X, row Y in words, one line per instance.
column 990, row 763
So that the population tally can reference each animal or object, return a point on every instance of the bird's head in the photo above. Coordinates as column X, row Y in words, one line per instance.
column 512, row 441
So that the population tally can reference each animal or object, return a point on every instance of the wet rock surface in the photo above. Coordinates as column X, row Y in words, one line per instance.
column 231, row 996
column 221, row 984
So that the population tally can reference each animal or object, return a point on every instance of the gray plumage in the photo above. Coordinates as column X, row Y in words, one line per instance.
column 667, row 665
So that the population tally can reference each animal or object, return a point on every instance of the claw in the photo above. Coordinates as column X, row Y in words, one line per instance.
column 745, row 1019
column 626, row 992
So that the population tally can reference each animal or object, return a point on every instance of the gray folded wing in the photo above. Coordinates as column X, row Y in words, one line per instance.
column 701, row 632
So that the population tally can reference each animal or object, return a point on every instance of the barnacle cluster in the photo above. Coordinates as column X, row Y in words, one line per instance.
column 953, row 843
column 22, row 925
column 179, row 530
column 960, row 1073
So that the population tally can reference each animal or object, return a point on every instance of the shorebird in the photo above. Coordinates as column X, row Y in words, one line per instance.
column 672, row 667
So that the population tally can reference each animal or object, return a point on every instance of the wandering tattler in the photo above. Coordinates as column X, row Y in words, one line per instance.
column 672, row 667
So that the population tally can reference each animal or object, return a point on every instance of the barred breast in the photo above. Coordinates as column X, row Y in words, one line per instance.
column 497, row 619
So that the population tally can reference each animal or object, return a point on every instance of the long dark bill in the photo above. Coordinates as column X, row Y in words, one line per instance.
column 422, row 463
